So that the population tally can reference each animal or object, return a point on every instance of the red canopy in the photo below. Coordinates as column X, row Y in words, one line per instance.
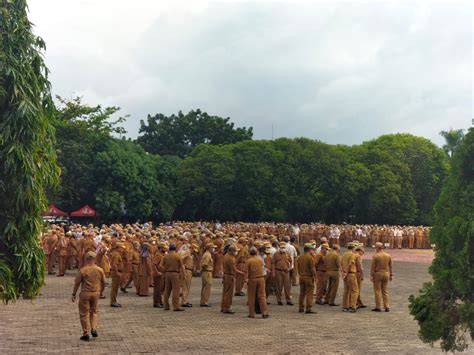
column 54, row 211
column 85, row 211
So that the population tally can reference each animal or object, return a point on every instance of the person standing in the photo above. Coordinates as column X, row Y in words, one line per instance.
column 380, row 274
column 116, row 267
column 294, row 271
column 255, row 284
column 144, row 270
column 91, row 278
column 158, row 277
column 333, row 270
column 359, row 252
column 350, row 281
column 321, row 279
column 188, row 262
column 173, row 268
column 207, row 266
column 62, row 251
column 281, row 263
column 229, row 270
column 241, row 265
column 306, row 273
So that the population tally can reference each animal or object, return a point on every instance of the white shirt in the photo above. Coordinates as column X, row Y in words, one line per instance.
column 291, row 250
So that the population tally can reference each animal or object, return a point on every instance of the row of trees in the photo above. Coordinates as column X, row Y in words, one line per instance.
column 209, row 169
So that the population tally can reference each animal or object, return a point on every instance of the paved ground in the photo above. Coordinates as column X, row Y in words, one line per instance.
column 50, row 324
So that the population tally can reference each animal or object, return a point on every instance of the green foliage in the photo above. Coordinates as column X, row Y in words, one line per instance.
column 453, row 138
column 180, row 134
column 27, row 155
column 445, row 307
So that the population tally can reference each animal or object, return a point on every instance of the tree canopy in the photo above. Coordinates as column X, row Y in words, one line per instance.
column 453, row 138
column 27, row 155
column 445, row 307
column 180, row 134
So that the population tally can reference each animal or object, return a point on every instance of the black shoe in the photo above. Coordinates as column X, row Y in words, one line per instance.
column 362, row 306
column 289, row 303
column 239, row 294
column 265, row 316
column 103, row 297
column 321, row 303
column 228, row 312
column 280, row 303
column 345, row 309
column 387, row 309
column 188, row 305
column 310, row 312
column 94, row 333
column 301, row 310
column 376, row 310
column 116, row 305
column 178, row 310
column 204, row 305
column 85, row 337
column 51, row 273
column 352, row 310
column 166, row 309
column 124, row 290
column 333, row 305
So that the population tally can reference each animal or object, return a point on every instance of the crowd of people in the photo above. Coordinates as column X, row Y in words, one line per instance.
column 264, row 259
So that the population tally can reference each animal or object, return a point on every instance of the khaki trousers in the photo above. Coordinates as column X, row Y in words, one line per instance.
column 256, row 290
column 227, row 292
column 88, row 310
column 332, row 286
column 62, row 264
column 188, row 277
column 380, row 289
column 114, row 288
column 172, row 284
column 321, row 285
column 359, row 289
column 282, row 279
column 206, row 277
column 157, row 290
column 306, row 292
column 239, row 278
column 350, row 292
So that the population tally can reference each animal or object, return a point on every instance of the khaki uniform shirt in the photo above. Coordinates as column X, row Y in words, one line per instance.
column 91, row 278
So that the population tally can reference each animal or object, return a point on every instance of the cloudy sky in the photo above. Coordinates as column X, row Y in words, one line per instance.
column 340, row 72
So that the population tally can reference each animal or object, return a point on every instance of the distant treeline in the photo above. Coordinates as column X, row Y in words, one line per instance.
column 199, row 167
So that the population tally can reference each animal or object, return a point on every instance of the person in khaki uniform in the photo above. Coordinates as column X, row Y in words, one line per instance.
column 158, row 277
column 144, row 270
column 229, row 271
column 294, row 271
column 173, row 268
column 333, row 269
column 380, row 274
column 133, row 276
column 321, row 279
column 306, row 273
column 188, row 262
column 73, row 259
column 127, row 256
column 62, row 250
column 359, row 252
column 207, row 266
column 49, row 245
column 255, row 284
column 349, row 270
column 411, row 238
column 419, row 238
column 281, row 262
column 91, row 278
column 241, row 265
column 116, row 267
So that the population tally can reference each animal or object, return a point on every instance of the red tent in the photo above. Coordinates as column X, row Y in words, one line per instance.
column 85, row 211
column 55, row 212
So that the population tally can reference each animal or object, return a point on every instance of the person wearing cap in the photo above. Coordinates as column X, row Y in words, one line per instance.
column 321, row 279
column 135, row 258
column 294, row 271
column 306, row 273
column 349, row 269
column 333, row 270
column 158, row 277
column 281, row 263
column 207, row 264
column 359, row 252
column 116, row 267
column 91, row 278
column 173, row 267
column 73, row 260
column 61, row 250
column 218, row 256
column 380, row 274
column 255, row 282
column 144, row 270
column 188, row 262
column 242, row 257
column 229, row 270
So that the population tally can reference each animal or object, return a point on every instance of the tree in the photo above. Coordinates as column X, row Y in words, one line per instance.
column 452, row 137
column 445, row 307
column 180, row 134
column 27, row 154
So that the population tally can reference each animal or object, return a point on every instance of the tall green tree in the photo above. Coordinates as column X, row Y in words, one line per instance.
column 445, row 307
column 180, row 134
column 27, row 157
column 453, row 138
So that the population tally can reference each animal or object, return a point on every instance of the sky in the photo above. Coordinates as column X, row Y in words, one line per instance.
column 339, row 72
